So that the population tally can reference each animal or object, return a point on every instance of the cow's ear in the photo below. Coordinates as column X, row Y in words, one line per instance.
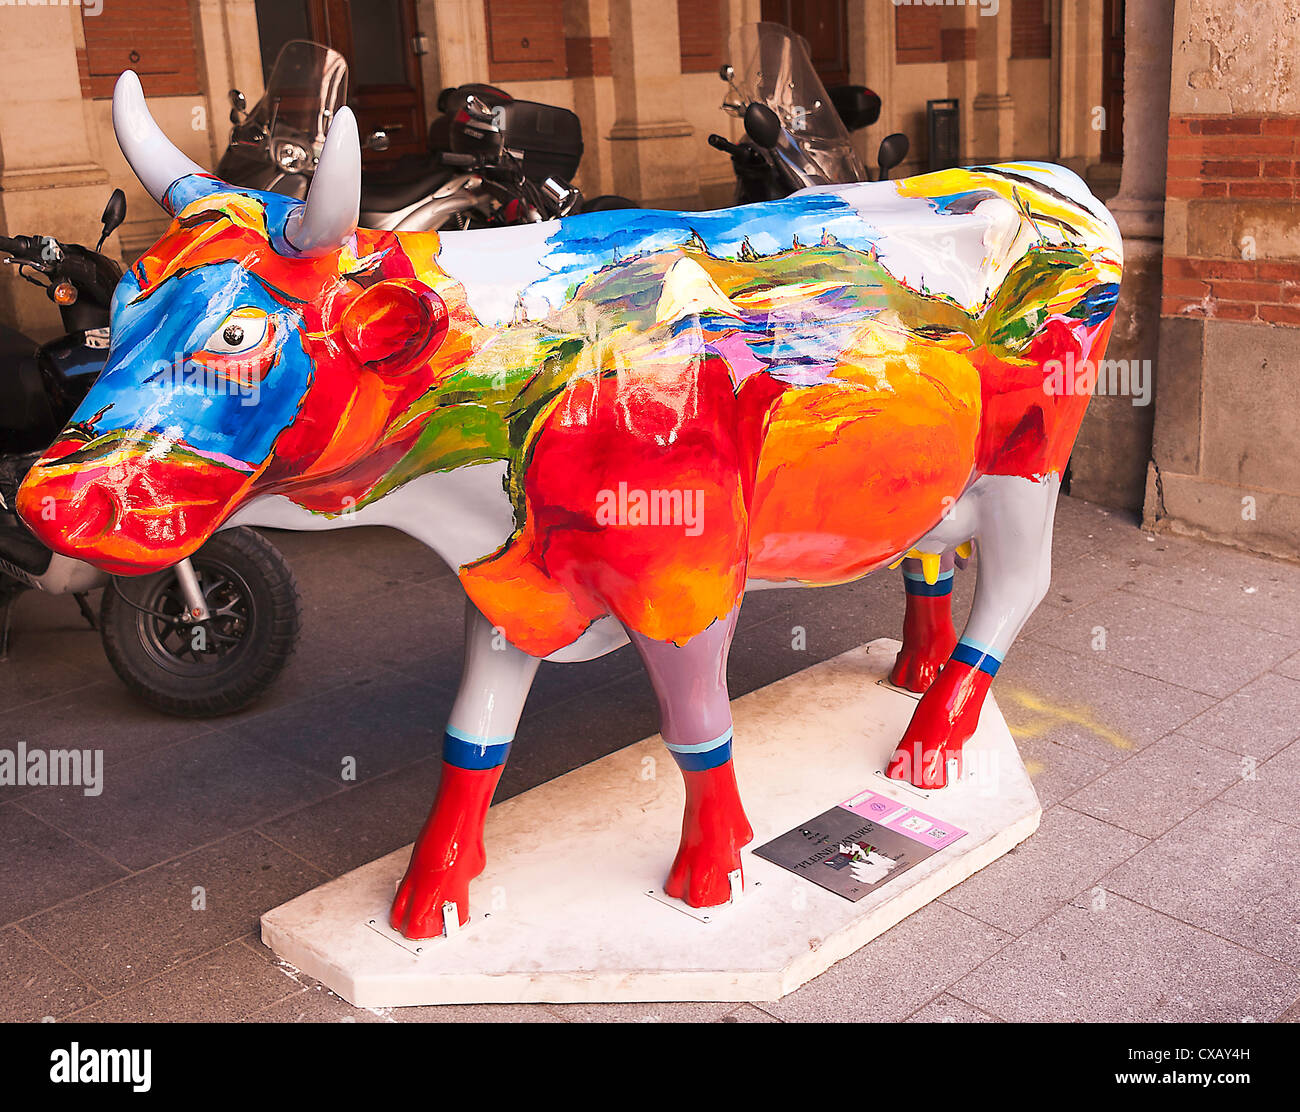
column 395, row 327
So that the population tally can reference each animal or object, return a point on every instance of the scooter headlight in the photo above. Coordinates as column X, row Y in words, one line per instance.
column 291, row 157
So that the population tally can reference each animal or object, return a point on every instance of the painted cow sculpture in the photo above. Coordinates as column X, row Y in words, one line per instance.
column 611, row 427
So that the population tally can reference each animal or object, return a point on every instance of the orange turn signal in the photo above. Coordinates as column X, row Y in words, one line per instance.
column 65, row 293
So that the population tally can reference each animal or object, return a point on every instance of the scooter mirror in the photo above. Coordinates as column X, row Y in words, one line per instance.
column 378, row 140
column 726, row 72
column 114, row 214
column 893, row 149
column 762, row 125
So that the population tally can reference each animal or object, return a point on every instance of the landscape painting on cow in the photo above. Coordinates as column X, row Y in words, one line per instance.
column 611, row 427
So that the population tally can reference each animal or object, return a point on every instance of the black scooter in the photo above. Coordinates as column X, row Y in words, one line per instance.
column 205, row 637
column 797, row 131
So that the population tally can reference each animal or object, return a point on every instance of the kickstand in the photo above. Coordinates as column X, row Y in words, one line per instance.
column 86, row 611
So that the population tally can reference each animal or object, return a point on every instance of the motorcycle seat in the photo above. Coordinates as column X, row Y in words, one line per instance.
column 411, row 178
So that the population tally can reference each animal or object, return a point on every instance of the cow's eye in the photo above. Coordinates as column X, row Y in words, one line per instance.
column 242, row 331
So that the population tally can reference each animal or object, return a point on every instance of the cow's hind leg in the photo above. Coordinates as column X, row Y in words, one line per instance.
column 1012, row 519
column 449, row 852
column 690, row 682
column 928, row 635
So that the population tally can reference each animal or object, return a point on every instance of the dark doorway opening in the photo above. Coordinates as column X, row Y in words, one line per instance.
column 825, row 24
column 1112, row 81
column 377, row 37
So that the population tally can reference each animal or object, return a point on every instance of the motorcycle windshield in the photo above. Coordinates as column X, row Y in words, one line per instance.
column 308, row 84
column 772, row 66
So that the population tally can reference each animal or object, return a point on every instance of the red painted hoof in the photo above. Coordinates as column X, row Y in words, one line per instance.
column 714, row 830
column 928, row 641
column 942, row 723
column 448, row 853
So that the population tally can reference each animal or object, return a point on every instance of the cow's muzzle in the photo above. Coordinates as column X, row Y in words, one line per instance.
column 128, row 512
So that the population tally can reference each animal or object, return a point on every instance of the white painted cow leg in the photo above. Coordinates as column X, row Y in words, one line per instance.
column 433, row 897
column 690, row 682
column 1012, row 519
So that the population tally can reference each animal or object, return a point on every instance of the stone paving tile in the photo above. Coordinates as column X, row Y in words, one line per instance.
column 351, row 828
column 147, row 924
column 33, row 984
column 157, row 807
column 1069, row 853
column 28, row 883
column 1056, row 770
column 317, row 1004
column 362, row 554
column 1255, row 721
column 1214, row 579
column 1082, row 701
column 1274, row 789
column 949, row 1009
column 1157, row 788
column 747, row 1013
column 1289, row 667
column 1219, row 870
column 219, row 987
column 356, row 731
column 657, row 1012
column 51, row 652
column 1127, row 963
column 897, row 973
column 104, row 716
column 1209, row 653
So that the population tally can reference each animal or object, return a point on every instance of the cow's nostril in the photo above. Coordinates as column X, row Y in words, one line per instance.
column 92, row 512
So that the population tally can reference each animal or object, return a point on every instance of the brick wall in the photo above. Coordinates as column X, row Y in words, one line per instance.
column 918, row 34
column 699, row 24
column 1235, row 161
column 1031, row 29
column 156, row 40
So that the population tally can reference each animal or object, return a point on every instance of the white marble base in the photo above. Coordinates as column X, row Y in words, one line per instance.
column 570, row 907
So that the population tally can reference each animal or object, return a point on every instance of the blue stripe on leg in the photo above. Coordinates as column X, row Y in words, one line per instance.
column 470, row 751
column 705, row 754
column 916, row 584
column 977, row 656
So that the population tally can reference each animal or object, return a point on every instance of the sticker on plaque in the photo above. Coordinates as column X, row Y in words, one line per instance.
column 865, row 842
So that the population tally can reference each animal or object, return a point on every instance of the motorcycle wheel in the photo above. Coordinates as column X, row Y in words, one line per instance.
column 219, row 666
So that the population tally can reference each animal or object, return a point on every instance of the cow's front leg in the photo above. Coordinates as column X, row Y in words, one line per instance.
column 449, row 852
column 690, row 682
column 928, row 635
column 1012, row 517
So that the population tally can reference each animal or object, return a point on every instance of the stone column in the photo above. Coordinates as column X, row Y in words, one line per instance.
column 993, row 116
column 1110, row 458
column 652, row 145
column 226, row 39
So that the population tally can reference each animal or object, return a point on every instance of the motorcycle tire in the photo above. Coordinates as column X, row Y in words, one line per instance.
column 215, row 667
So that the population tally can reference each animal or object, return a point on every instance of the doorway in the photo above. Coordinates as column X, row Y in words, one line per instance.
column 1112, row 81
column 377, row 37
column 825, row 24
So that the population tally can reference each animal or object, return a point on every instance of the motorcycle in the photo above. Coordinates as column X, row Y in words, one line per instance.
column 207, row 636
column 491, row 159
column 797, row 133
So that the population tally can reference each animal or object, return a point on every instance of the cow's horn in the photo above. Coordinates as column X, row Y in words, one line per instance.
column 333, row 205
column 156, row 162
